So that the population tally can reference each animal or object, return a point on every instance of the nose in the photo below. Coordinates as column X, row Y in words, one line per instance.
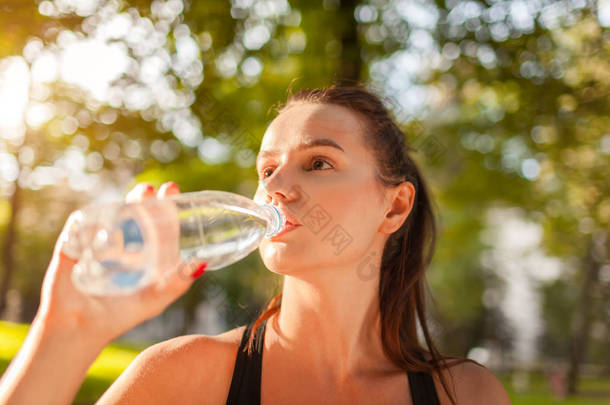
column 278, row 188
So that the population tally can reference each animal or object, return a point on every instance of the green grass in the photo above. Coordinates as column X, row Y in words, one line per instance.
column 108, row 366
column 116, row 357
column 592, row 391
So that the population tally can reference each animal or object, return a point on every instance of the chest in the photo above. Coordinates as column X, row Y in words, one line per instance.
column 289, row 384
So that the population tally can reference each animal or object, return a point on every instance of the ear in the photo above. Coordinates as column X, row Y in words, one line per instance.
column 400, row 200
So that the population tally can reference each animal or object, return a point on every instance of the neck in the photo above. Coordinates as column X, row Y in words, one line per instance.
column 329, row 322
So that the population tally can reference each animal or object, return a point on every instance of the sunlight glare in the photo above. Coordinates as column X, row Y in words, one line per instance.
column 93, row 65
column 39, row 113
column 603, row 13
column 45, row 68
column 14, row 89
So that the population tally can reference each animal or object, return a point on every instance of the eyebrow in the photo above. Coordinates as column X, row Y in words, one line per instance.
column 305, row 145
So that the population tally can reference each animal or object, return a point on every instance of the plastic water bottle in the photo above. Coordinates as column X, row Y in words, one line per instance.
column 122, row 247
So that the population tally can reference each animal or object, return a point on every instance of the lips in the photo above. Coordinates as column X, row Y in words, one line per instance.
column 290, row 219
column 291, row 224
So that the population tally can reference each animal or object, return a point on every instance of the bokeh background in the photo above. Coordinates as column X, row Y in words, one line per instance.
column 506, row 102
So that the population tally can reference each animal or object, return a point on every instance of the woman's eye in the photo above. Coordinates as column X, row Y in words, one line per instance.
column 316, row 164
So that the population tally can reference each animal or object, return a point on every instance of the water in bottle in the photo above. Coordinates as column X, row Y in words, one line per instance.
column 121, row 247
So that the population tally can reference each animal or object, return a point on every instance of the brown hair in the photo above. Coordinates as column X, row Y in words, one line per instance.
column 407, row 252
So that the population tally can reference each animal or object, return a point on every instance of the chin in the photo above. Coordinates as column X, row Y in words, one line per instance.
column 282, row 258
column 279, row 261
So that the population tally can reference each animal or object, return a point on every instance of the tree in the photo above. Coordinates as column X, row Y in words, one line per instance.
column 527, row 102
column 87, row 133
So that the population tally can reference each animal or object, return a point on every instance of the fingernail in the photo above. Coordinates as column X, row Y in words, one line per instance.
column 149, row 188
column 166, row 186
column 200, row 270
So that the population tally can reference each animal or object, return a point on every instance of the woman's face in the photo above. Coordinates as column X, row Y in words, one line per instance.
column 313, row 164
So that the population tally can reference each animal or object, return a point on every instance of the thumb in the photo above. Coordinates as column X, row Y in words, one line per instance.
column 67, row 244
column 64, row 253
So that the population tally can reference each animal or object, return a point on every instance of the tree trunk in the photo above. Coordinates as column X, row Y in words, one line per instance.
column 9, row 248
column 583, row 318
column 350, row 63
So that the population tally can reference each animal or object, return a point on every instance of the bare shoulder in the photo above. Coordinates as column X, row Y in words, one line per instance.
column 471, row 384
column 186, row 369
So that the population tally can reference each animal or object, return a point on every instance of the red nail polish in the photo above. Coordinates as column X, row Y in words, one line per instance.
column 169, row 185
column 200, row 270
column 150, row 188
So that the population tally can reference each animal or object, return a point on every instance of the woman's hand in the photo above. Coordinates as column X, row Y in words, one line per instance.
column 103, row 318
column 71, row 328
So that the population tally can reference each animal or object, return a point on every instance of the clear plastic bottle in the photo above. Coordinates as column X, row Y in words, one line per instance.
column 122, row 247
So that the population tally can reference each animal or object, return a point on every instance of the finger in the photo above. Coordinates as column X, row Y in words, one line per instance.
column 173, row 283
column 65, row 241
column 64, row 262
column 140, row 192
column 169, row 188
column 199, row 270
column 187, row 271
column 64, row 254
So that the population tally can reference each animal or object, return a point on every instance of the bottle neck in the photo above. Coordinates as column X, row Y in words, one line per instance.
column 275, row 219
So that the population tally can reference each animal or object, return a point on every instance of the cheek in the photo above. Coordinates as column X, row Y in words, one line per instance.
column 353, row 204
column 354, row 216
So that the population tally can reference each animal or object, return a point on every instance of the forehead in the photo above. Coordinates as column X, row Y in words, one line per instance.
column 304, row 122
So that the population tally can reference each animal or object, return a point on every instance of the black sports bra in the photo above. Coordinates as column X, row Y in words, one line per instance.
column 246, row 382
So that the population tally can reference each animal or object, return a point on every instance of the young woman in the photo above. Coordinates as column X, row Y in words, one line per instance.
column 344, row 329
